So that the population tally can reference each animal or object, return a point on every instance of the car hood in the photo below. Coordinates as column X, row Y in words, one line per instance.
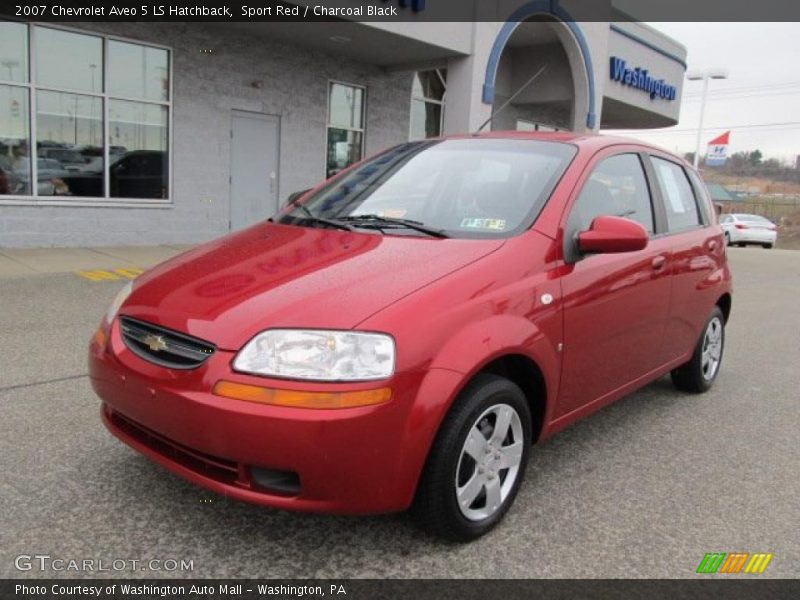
column 274, row 275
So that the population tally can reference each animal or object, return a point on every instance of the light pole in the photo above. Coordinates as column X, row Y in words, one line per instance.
column 704, row 76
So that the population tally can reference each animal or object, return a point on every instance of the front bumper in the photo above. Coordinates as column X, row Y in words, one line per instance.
column 355, row 460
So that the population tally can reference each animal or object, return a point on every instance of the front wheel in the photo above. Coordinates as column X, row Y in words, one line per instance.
column 727, row 239
column 767, row 246
column 477, row 462
column 700, row 372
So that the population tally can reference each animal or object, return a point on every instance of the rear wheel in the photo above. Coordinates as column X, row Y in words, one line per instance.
column 767, row 246
column 477, row 462
column 700, row 372
column 741, row 244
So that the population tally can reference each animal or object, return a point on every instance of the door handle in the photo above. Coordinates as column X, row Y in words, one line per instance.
column 658, row 262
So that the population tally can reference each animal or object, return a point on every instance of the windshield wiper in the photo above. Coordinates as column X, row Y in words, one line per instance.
column 379, row 222
column 309, row 216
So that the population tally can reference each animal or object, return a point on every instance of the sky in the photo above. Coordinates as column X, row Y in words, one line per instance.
column 760, row 100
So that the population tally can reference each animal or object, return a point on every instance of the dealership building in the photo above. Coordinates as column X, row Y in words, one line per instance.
column 176, row 133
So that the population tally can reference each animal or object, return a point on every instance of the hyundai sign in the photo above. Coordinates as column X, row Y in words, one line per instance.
column 641, row 79
column 717, row 152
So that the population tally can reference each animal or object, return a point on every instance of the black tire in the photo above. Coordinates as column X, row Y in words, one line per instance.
column 727, row 239
column 436, row 506
column 693, row 376
column 767, row 246
column 741, row 244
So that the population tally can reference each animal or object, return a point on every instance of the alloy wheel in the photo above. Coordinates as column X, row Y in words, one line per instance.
column 489, row 462
column 712, row 348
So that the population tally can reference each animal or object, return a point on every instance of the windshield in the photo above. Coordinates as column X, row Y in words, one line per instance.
column 463, row 187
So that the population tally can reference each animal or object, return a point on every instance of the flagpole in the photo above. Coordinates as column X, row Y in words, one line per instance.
column 700, row 126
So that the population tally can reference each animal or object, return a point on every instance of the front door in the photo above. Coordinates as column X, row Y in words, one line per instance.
column 254, row 167
column 615, row 305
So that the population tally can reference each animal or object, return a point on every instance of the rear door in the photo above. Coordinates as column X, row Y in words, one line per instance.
column 697, row 247
column 615, row 305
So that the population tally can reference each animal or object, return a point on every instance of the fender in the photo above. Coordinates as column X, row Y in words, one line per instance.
column 465, row 354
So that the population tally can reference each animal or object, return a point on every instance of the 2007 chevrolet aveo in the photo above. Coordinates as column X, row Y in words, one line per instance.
column 400, row 336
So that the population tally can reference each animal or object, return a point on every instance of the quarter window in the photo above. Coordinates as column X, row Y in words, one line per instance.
column 345, row 126
column 94, row 110
column 616, row 187
column 679, row 200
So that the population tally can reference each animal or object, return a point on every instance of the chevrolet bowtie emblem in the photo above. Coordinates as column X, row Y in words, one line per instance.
column 156, row 343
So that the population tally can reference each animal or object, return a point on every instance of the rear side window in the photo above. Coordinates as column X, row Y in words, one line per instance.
column 679, row 200
column 617, row 187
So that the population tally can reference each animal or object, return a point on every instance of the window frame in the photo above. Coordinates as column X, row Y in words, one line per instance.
column 104, row 201
column 328, row 126
column 425, row 99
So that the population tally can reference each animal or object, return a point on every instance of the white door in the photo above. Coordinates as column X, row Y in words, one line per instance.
column 254, row 167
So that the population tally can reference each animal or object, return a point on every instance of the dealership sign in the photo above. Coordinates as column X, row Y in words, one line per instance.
column 717, row 151
column 641, row 79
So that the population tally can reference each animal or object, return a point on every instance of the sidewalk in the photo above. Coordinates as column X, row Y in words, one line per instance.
column 115, row 262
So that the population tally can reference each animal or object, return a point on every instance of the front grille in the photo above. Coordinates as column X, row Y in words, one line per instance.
column 214, row 467
column 257, row 479
column 164, row 347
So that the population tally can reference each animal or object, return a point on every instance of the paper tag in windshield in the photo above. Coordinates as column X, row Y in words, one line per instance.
column 474, row 223
column 393, row 213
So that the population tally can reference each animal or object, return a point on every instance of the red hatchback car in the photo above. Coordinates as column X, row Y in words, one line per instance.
column 401, row 335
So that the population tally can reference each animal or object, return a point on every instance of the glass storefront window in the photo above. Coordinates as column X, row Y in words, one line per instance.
column 427, row 104
column 94, row 112
column 346, row 106
column 69, row 131
column 344, row 149
column 345, row 126
column 69, row 60
column 136, row 71
column 138, row 137
column 426, row 119
column 13, row 52
column 15, row 141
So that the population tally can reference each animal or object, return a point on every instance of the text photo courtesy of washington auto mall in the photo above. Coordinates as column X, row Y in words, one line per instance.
column 399, row 299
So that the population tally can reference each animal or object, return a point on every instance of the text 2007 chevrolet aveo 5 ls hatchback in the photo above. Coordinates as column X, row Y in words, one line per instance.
column 401, row 335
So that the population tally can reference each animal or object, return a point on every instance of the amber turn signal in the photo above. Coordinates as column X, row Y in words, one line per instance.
column 100, row 338
column 301, row 399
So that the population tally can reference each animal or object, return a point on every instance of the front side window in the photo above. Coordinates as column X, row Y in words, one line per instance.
column 617, row 187
column 679, row 200
column 91, row 109
column 345, row 126
column 427, row 104
column 464, row 188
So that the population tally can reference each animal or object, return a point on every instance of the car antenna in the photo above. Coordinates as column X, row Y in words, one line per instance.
column 507, row 102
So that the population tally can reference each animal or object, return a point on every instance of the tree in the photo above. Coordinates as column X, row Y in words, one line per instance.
column 755, row 158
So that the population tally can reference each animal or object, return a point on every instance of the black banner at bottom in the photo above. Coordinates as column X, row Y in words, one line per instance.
column 413, row 589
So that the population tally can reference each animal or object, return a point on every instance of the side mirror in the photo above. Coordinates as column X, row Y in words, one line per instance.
column 612, row 234
column 291, row 198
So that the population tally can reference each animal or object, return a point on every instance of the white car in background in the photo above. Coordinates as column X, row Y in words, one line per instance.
column 742, row 229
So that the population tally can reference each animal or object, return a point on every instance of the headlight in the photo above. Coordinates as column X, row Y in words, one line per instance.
column 117, row 302
column 318, row 354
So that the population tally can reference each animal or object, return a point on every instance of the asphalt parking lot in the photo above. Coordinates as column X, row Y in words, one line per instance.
column 643, row 488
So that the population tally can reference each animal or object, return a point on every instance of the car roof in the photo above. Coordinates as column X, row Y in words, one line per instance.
column 591, row 142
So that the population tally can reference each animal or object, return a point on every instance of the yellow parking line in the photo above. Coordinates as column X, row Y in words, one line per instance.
column 111, row 274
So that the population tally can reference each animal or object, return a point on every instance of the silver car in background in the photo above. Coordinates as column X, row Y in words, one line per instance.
column 743, row 229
